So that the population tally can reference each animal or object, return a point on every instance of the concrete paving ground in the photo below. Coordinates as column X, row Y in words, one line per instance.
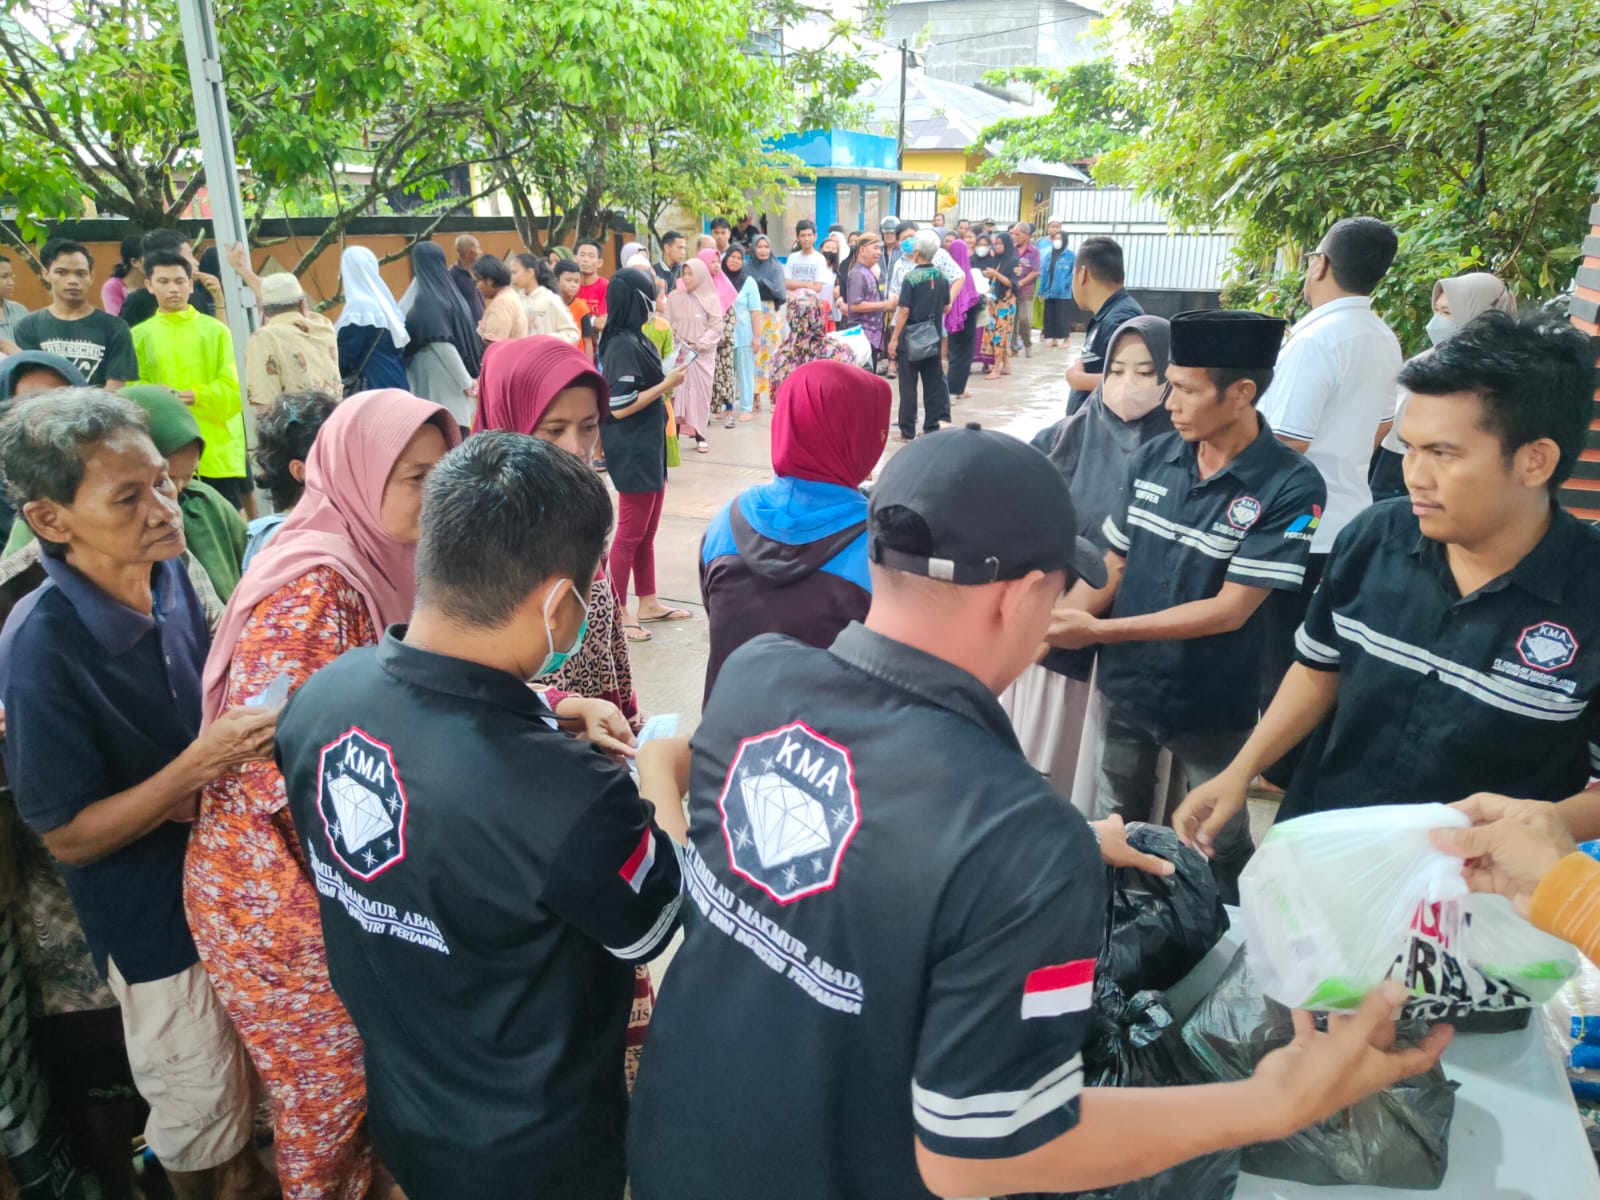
column 669, row 670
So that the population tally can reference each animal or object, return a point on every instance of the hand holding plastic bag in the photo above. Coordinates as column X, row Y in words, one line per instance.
column 1335, row 903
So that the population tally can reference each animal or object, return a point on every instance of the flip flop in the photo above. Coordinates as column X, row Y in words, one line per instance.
column 672, row 614
column 629, row 632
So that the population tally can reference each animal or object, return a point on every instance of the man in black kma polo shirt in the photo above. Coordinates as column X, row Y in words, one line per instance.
column 886, row 974
column 1454, row 645
column 486, row 884
column 1219, row 516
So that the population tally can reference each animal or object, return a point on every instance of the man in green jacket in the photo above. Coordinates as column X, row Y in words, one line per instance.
column 191, row 353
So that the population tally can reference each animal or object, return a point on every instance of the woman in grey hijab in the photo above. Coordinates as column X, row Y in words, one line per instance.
column 1050, row 704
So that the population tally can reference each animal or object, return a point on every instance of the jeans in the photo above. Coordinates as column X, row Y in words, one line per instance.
column 633, row 550
column 1125, row 783
column 961, row 345
column 935, row 399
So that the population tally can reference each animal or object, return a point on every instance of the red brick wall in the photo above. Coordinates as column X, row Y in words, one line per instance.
column 1582, row 492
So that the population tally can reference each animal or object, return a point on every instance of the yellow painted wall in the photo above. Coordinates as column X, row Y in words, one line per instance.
column 949, row 165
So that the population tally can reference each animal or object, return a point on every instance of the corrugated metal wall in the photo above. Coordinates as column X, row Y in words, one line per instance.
column 1185, row 262
column 990, row 204
column 918, row 204
column 1103, row 206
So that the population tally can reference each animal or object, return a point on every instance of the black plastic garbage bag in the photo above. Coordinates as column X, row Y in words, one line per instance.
column 1397, row 1139
column 1160, row 926
column 1137, row 1044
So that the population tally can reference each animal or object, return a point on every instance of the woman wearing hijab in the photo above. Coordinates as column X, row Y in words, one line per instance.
column 1456, row 301
column 723, row 389
column 982, row 258
column 445, row 353
column 746, row 308
column 370, row 330
column 763, row 266
column 1055, row 289
column 635, row 442
column 1002, row 274
column 961, row 324
column 790, row 556
column 1049, row 704
column 339, row 571
column 807, row 340
column 695, row 314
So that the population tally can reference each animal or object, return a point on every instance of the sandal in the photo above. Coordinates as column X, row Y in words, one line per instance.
column 730, row 422
column 701, row 446
column 746, row 417
column 672, row 614
column 636, row 633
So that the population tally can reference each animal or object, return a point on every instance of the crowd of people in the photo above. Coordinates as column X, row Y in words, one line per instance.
column 347, row 807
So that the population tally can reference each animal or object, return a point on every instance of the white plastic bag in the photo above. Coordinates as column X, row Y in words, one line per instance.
column 855, row 339
column 1335, row 903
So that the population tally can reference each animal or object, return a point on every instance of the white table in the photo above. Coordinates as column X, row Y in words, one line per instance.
column 1516, row 1133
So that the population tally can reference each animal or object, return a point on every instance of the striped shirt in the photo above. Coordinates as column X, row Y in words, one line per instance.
column 1250, row 523
column 1442, row 695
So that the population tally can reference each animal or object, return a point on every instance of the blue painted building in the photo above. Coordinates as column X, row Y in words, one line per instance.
column 849, row 179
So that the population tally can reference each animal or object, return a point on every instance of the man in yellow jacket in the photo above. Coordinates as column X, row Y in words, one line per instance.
column 192, row 354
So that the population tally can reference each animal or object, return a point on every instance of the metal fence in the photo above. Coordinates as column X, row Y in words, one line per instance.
column 918, row 204
column 1115, row 207
column 1187, row 262
column 1003, row 204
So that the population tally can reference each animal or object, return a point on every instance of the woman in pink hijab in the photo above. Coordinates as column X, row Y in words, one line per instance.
column 340, row 569
column 724, row 379
column 697, row 317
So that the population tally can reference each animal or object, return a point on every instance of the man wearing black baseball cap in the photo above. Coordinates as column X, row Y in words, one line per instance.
column 1220, row 515
column 888, row 964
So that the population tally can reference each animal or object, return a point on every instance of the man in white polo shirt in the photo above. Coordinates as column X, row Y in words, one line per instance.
column 1332, row 399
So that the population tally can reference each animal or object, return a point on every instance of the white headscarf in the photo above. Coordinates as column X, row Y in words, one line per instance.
column 367, row 299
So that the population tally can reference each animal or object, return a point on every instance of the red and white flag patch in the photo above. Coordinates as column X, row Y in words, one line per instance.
column 1058, row 990
column 637, row 868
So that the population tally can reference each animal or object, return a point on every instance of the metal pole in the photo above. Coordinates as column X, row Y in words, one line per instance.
column 222, row 180
column 900, row 138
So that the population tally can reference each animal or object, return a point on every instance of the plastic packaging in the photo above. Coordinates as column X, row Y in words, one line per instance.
column 1137, row 1045
column 1398, row 1138
column 1336, row 902
column 1161, row 926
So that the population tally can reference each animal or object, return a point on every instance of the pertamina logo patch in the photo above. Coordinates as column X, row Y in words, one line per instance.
column 789, row 809
column 1308, row 522
column 363, row 804
column 1547, row 646
column 1244, row 512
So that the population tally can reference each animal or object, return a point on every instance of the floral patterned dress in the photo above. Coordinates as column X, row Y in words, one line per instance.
column 252, row 908
column 769, row 333
column 724, row 388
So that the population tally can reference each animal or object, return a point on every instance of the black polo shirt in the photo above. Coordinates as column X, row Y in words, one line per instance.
column 1442, row 695
column 1183, row 538
column 486, row 885
column 1119, row 307
column 892, row 937
column 98, row 698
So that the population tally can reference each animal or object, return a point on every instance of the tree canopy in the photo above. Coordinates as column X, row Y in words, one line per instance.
column 577, row 108
column 1472, row 126
column 1089, row 114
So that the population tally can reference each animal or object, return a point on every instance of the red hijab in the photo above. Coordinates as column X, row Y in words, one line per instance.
column 521, row 376
column 336, row 522
column 830, row 424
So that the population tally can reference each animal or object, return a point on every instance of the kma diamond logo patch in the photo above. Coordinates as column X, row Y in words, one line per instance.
column 1547, row 646
column 362, row 803
column 789, row 810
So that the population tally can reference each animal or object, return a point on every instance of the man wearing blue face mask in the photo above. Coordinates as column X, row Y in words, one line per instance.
column 486, row 884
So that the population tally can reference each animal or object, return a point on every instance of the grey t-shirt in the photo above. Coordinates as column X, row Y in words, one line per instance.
column 98, row 344
column 10, row 313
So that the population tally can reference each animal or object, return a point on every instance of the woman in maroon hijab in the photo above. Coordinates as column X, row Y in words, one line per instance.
column 790, row 556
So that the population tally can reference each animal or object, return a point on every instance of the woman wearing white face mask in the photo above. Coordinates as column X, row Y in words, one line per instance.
column 1456, row 301
column 1050, row 704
